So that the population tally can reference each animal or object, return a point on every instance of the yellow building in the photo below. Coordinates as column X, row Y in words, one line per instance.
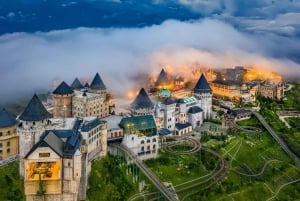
column 9, row 140
column 225, row 89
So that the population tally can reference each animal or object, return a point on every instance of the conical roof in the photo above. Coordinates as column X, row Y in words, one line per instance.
column 35, row 111
column 162, row 78
column 97, row 83
column 86, row 85
column 6, row 119
column 63, row 89
column 76, row 84
column 142, row 101
column 202, row 86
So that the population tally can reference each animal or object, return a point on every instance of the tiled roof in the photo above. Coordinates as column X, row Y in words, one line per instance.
column 35, row 111
column 6, row 119
column 142, row 100
column 180, row 126
column 63, row 89
column 202, row 86
column 63, row 142
column 139, row 124
column 162, row 78
column 164, row 131
column 76, row 84
column 194, row 110
column 90, row 125
column 97, row 82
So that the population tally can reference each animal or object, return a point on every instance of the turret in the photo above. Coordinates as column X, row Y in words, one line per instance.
column 142, row 104
column 203, row 92
column 97, row 85
column 62, row 101
column 33, row 121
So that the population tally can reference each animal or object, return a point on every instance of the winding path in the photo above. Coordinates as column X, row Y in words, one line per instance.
column 282, row 186
column 259, row 173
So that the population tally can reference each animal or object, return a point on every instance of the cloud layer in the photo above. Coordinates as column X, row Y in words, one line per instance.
column 29, row 62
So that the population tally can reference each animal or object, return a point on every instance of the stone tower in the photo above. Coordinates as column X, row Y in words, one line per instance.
column 203, row 92
column 33, row 121
column 62, row 101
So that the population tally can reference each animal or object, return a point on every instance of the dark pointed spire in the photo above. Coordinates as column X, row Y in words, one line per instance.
column 76, row 84
column 35, row 111
column 63, row 89
column 6, row 119
column 97, row 83
column 87, row 85
column 142, row 100
column 202, row 86
column 162, row 78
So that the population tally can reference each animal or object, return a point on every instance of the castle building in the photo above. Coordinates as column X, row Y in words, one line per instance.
column 185, row 113
column 9, row 139
column 82, row 101
column 226, row 88
column 271, row 90
column 62, row 101
column 56, row 154
column 53, row 167
column 33, row 121
column 93, row 100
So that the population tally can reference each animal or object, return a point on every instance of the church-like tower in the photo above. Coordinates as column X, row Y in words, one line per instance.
column 62, row 101
column 203, row 92
column 33, row 121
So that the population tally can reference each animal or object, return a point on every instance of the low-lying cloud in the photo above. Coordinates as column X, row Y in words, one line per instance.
column 30, row 62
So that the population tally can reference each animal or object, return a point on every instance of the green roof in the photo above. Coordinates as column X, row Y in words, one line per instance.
column 142, row 125
column 165, row 92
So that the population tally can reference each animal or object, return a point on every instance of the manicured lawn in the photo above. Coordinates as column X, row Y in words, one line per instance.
column 178, row 168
